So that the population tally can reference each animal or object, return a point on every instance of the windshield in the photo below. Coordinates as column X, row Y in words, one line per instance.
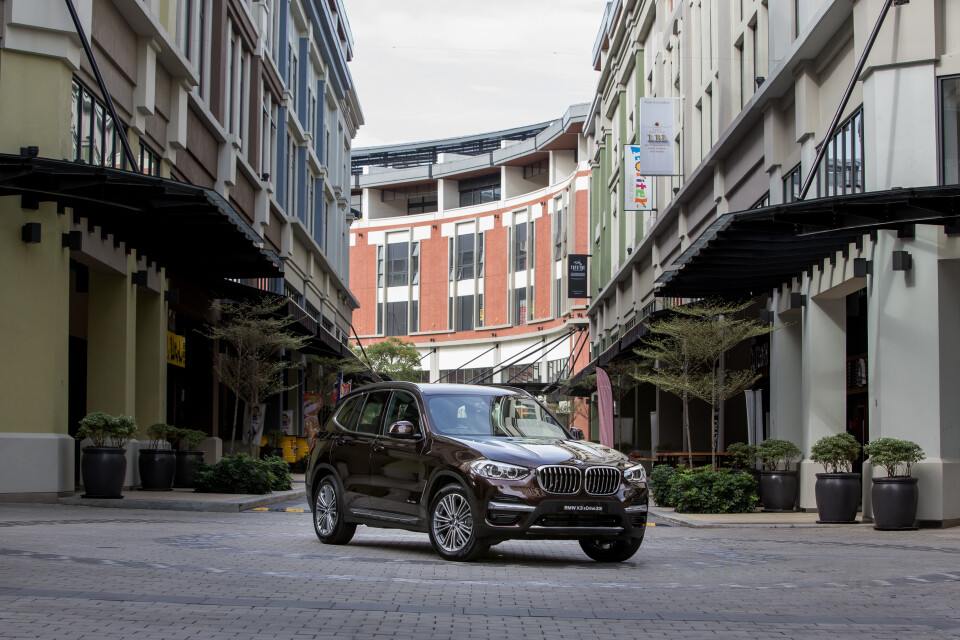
column 498, row 416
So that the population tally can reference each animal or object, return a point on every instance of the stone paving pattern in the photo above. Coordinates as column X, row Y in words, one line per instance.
column 80, row 572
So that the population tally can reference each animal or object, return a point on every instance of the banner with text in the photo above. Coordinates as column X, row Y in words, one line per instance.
column 637, row 194
column 656, row 136
column 577, row 276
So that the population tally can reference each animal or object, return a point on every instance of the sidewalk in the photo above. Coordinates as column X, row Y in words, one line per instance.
column 188, row 500
column 756, row 519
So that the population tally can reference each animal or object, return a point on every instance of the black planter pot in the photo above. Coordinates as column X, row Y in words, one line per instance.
column 183, row 478
column 103, row 470
column 894, row 503
column 838, row 496
column 778, row 490
column 271, row 451
column 157, row 468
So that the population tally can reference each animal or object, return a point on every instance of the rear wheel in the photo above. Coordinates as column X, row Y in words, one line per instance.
column 606, row 550
column 452, row 530
column 328, row 516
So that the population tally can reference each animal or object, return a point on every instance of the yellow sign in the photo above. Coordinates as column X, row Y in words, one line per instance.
column 176, row 349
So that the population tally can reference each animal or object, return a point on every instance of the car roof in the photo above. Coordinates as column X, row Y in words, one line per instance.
column 434, row 388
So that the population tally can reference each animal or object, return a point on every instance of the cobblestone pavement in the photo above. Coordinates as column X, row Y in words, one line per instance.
column 79, row 572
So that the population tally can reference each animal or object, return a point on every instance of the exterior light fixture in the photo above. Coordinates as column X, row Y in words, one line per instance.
column 760, row 80
column 139, row 277
column 73, row 240
column 30, row 232
column 862, row 267
column 797, row 300
column 902, row 261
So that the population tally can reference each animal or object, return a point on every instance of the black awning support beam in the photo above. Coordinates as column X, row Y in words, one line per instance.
column 103, row 87
column 843, row 101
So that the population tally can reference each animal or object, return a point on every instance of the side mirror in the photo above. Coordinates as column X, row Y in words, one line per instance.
column 402, row 429
column 576, row 433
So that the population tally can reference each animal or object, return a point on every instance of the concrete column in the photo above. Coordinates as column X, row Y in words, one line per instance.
column 824, row 385
column 908, row 317
column 111, row 344
column 786, row 380
column 151, row 359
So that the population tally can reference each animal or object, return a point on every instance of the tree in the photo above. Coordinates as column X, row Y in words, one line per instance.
column 395, row 357
column 254, row 334
column 689, row 349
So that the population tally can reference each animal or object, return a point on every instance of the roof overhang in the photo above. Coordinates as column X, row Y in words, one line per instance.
column 188, row 230
column 746, row 253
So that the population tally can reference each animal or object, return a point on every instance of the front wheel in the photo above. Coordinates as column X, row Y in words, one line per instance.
column 604, row 550
column 328, row 520
column 452, row 529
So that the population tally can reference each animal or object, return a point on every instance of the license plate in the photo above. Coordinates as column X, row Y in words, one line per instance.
column 583, row 508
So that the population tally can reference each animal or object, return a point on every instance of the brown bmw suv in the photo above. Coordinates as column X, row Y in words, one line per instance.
column 472, row 466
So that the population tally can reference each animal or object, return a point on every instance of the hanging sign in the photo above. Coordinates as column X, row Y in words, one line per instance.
column 656, row 136
column 577, row 275
column 637, row 194
column 176, row 349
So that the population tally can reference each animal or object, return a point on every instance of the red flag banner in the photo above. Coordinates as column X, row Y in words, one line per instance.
column 605, row 407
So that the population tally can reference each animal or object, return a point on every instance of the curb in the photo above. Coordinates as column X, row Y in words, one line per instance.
column 224, row 503
column 682, row 521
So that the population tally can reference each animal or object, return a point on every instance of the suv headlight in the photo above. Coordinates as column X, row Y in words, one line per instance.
column 498, row 470
column 635, row 474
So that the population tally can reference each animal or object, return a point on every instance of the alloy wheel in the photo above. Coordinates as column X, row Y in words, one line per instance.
column 452, row 522
column 326, row 510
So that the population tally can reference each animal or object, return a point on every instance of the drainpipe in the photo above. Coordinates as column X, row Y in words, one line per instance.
column 103, row 87
column 846, row 95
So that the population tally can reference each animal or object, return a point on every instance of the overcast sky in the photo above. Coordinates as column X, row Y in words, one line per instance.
column 428, row 69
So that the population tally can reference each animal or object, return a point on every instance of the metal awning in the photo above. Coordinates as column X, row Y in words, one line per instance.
column 189, row 230
column 746, row 253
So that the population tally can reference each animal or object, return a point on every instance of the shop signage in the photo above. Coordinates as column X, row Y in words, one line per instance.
column 176, row 349
column 656, row 137
column 636, row 187
column 577, row 275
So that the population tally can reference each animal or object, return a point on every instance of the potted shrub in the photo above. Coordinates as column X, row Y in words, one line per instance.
column 103, row 466
column 894, row 497
column 157, row 462
column 838, row 488
column 778, row 482
column 187, row 455
column 274, row 446
column 741, row 456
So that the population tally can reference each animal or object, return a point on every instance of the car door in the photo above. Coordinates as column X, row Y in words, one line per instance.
column 399, row 466
column 350, row 452
column 365, row 432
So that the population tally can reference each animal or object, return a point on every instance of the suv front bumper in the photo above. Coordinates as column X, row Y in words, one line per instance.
column 566, row 518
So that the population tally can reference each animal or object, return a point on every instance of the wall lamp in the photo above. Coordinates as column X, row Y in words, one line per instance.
column 902, row 261
column 30, row 152
column 172, row 295
column 766, row 316
column 797, row 300
column 760, row 80
column 139, row 277
column 73, row 240
column 30, row 232
column 862, row 267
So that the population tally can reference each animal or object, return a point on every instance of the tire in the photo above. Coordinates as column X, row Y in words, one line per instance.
column 328, row 514
column 605, row 550
column 451, row 526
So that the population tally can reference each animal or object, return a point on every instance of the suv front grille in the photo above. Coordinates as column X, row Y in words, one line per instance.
column 578, row 520
column 557, row 479
column 602, row 481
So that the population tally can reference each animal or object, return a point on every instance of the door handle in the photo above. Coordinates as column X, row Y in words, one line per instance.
column 378, row 447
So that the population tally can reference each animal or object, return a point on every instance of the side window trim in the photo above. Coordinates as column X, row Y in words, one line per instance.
column 356, row 406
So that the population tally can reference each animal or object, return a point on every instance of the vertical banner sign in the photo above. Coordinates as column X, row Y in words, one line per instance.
column 577, row 275
column 656, row 136
column 605, row 407
column 176, row 349
column 636, row 187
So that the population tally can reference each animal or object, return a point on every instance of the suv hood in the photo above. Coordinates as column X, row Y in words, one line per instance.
column 534, row 452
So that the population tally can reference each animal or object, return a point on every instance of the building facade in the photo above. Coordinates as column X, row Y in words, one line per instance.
column 861, row 274
column 239, row 116
column 463, row 246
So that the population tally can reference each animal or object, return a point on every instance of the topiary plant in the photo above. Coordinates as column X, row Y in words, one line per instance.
column 836, row 453
column 160, row 432
column 106, row 430
column 189, row 439
column 892, row 454
column 741, row 455
column 777, row 455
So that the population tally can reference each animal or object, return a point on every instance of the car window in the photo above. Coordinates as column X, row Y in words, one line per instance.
column 503, row 416
column 372, row 412
column 349, row 413
column 403, row 406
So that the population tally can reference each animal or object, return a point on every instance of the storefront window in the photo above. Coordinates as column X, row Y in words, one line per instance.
column 950, row 130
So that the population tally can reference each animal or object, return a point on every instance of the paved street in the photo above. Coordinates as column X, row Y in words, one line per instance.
column 81, row 572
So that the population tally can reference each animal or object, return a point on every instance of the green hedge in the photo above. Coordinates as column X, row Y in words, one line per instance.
column 704, row 490
column 241, row 473
column 300, row 466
